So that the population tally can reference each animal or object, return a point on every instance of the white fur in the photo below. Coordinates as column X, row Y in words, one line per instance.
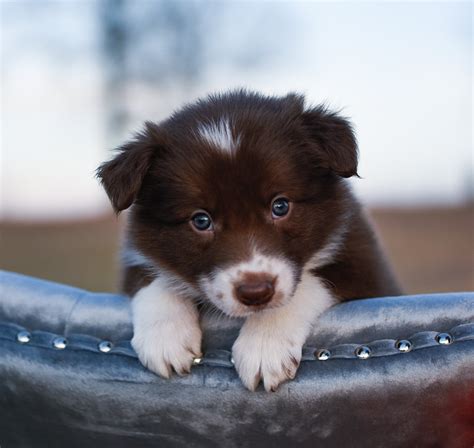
column 222, row 281
column 166, row 323
column 167, row 335
column 328, row 252
column 219, row 135
column 270, row 342
column 133, row 257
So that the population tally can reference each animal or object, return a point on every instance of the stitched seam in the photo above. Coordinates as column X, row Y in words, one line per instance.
column 74, row 306
column 221, row 357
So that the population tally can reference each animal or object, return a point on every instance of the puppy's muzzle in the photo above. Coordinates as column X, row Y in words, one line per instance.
column 256, row 291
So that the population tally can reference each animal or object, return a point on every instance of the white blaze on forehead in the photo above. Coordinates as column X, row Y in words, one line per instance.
column 219, row 285
column 219, row 134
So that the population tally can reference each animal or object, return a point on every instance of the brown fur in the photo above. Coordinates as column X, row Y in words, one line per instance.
column 168, row 173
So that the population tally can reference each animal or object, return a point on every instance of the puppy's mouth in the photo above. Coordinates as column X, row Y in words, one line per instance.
column 247, row 310
column 234, row 308
column 260, row 284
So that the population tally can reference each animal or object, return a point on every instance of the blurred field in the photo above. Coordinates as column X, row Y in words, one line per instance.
column 432, row 249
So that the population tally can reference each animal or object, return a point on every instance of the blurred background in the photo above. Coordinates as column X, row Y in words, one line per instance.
column 78, row 77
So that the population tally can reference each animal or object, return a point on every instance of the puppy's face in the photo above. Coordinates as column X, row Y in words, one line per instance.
column 236, row 195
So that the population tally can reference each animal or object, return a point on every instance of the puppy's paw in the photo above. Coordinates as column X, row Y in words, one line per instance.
column 169, row 346
column 259, row 356
column 270, row 343
column 167, row 335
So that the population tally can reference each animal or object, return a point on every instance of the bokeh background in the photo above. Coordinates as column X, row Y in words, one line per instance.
column 78, row 77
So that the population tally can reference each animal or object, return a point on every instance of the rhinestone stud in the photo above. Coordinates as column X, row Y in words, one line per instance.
column 363, row 352
column 59, row 343
column 444, row 338
column 197, row 361
column 105, row 346
column 403, row 346
column 23, row 337
column 323, row 355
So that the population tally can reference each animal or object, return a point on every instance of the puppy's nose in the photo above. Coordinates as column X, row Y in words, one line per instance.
column 255, row 292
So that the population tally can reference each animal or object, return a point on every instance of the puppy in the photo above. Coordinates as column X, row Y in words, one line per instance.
column 240, row 200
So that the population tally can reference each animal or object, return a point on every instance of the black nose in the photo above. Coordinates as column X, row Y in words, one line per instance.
column 255, row 293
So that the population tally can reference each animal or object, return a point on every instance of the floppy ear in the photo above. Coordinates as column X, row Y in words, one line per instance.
column 122, row 176
column 333, row 139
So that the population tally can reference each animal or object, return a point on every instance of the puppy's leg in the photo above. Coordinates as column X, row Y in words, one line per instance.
column 270, row 342
column 166, row 329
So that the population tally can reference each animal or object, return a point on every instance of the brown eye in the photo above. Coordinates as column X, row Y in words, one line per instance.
column 280, row 207
column 202, row 221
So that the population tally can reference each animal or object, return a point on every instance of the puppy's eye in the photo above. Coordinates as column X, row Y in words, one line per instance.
column 202, row 221
column 280, row 207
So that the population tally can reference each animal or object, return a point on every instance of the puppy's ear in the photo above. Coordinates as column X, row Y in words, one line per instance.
column 333, row 140
column 122, row 176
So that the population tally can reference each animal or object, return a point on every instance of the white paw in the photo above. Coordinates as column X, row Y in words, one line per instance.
column 272, row 358
column 170, row 346
column 167, row 335
column 270, row 342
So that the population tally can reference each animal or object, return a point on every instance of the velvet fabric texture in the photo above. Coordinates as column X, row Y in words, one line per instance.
column 80, row 396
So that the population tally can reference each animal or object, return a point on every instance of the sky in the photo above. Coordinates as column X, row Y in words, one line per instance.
column 401, row 71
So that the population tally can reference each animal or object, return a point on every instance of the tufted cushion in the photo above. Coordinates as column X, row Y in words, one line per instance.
column 95, row 393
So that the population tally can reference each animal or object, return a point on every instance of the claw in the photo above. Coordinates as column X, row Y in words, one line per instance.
column 294, row 361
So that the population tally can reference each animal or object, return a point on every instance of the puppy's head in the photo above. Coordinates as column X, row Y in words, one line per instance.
column 236, row 195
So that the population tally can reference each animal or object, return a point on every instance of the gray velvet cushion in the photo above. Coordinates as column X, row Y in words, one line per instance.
column 81, row 396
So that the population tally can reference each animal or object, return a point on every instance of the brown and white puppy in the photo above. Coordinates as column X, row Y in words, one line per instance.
column 240, row 200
